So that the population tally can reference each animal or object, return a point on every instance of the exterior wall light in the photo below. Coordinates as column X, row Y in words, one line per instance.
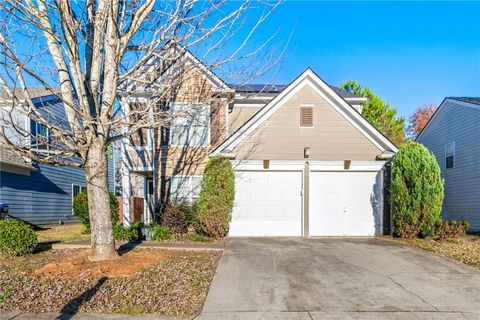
column 306, row 152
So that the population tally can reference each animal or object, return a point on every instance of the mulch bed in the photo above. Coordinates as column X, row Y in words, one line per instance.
column 464, row 249
column 140, row 281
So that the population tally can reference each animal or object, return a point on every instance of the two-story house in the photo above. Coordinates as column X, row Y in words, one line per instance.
column 306, row 162
column 36, row 193
column 453, row 136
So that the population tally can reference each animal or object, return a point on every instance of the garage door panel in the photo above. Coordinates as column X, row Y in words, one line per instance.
column 269, row 203
column 257, row 195
column 345, row 203
column 275, row 195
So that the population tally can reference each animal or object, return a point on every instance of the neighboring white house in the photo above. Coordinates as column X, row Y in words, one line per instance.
column 453, row 136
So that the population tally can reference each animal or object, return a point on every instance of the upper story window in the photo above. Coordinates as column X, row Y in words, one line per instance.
column 190, row 125
column 39, row 135
column 450, row 155
column 138, row 114
column 306, row 117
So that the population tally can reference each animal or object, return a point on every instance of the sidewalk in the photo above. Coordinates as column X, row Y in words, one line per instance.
column 188, row 246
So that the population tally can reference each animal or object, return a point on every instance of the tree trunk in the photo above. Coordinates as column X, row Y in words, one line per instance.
column 96, row 173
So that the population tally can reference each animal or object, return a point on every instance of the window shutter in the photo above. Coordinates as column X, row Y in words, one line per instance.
column 306, row 117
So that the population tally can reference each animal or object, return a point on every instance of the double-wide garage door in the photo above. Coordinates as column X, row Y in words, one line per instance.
column 270, row 203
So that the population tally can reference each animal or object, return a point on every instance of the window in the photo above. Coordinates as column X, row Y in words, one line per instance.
column 138, row 113
column 306, row 117
column 40, row 135
column 185, row 189
column 450, row 155
column 76, row 189
column 191, row 125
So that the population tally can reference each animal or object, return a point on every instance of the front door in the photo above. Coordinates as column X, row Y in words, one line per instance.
column 150, row 199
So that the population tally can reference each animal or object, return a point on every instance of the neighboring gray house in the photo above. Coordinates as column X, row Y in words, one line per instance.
column 38, row 193
column 453, row 136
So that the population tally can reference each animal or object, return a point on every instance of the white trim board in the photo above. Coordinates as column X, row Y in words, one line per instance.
column 309, row 78
column 298, row 165
column 274, row 165
column 339, row 166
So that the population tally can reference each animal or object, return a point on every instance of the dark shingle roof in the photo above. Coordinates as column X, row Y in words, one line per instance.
column 277, row 88
column 258, row 87
column 473, row 100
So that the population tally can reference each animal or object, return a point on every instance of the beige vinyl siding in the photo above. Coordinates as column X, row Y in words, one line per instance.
column 459, row 124
column 332, row 137
column 239, row 116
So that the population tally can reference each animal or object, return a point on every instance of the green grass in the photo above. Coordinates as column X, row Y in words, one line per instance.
column 65, row 233
column 131, row 310
column 195, row 238
column 6, row 294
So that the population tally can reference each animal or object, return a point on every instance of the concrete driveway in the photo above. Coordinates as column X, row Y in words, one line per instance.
column 285, row 278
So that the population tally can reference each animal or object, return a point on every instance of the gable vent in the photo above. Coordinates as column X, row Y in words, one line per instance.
column 306, row 117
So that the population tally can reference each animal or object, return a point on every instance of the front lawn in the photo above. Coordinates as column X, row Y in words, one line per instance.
column 140, row 281
column 464, row 249
column 73, row 232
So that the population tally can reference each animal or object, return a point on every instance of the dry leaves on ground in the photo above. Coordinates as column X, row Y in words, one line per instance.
column 463, row 249
column 141, row 281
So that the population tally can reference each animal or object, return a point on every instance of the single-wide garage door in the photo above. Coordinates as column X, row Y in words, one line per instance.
column 345, row 203
column 267, row 204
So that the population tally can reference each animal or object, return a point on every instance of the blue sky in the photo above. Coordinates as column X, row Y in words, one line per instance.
column 409, row 53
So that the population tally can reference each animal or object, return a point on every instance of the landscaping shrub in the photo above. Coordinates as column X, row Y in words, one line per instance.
column 130, row 233
column 417, row 190
column 189, row 213
column 216, row 198
column 80, row 209
column 178, row 217
column 17, row 238
column 451, row 229
column 172, row 217
column 160, row 233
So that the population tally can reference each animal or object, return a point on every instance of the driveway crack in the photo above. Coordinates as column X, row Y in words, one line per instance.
column 412, row 293
column 394, row 281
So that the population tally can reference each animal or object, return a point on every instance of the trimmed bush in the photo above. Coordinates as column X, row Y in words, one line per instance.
column 451, row 229
column 130, row 233
column 215, row 202
column 17, row 238
column 417, row 191
column 178, row 217
column 160, row 233
column 80, row 209
column 189, row 213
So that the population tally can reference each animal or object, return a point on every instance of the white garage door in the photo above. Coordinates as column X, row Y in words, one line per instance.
column 345, row 203
column 267, row 204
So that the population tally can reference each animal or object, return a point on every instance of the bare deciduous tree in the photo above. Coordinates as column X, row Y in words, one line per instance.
column 85, row 52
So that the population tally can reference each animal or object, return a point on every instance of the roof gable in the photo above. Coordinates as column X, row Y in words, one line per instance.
column 164, row 65
column 309, row 78
column 469, row 102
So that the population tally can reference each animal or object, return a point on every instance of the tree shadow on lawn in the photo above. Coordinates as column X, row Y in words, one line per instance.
column 45, row 245
column 129, row 246
column 72, row 306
